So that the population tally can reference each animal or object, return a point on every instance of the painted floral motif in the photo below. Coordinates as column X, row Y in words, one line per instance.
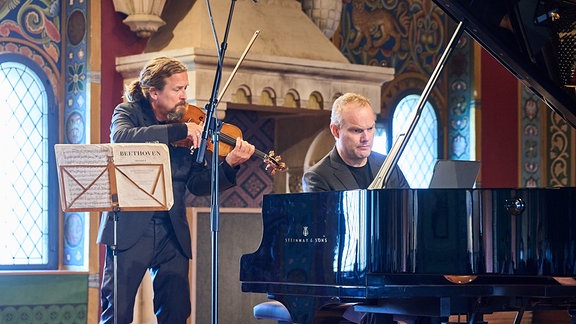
column 36, row 22
column 76, row 78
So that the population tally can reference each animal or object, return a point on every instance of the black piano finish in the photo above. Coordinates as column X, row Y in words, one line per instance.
column 438, row 246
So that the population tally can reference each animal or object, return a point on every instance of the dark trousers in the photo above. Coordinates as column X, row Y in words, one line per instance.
column 157, row 250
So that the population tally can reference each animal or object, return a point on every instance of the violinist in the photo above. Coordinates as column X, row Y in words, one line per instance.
column 159, row 241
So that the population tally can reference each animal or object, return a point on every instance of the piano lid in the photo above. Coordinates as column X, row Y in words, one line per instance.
column 534, row 39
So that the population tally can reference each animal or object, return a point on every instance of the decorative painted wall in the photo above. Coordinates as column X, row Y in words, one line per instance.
column 547, row 145
column 75, row 118
column 531, row 110
column 560, row 165
column 32, row 29
column 406, row 35
column 461, row 102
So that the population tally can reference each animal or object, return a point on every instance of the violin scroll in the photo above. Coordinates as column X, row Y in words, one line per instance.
column 273, row 163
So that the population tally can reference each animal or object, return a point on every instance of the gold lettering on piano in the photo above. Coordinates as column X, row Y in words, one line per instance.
column 306, row 240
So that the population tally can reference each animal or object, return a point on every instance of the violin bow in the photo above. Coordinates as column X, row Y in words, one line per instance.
column 272, row 161
column 225, row 87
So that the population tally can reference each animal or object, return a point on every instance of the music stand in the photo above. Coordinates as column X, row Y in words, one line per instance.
column 114, row 178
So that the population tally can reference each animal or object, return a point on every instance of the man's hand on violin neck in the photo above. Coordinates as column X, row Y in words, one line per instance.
column 241, row 153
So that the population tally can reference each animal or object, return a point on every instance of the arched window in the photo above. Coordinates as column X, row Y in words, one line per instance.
column 29, row 211
column 417, row 160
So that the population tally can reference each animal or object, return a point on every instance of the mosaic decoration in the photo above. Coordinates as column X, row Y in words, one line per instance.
column 252, row 179
column 530, row 121
column 75, row 120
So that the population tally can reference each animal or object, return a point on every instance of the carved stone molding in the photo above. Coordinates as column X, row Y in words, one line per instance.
column 143, row 15
column 324, row 13
column 263, row 75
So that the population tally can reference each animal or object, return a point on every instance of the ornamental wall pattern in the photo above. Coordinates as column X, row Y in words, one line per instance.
column 559, row 160
column 76, row 112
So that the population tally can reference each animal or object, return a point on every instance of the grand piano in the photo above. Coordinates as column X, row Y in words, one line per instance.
column 431, row 253
column 424, row 252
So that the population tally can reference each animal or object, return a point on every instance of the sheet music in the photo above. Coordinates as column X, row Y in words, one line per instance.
column 141, row 167
column 101, row 177
column 85, row 168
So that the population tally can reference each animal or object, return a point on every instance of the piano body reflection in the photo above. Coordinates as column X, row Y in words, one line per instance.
column 423, row 252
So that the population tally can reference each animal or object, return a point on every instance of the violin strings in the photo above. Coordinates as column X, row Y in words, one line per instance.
column 232, row 141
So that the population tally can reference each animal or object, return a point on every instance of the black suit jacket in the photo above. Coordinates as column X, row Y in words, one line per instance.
column 136, row 123
column 332, row 174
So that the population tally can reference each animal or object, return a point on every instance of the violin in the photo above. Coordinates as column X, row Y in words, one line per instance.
column 228, row 134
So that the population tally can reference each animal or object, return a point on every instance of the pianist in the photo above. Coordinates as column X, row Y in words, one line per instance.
column 351, row 164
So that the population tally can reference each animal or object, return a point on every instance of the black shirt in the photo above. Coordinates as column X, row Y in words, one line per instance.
column 362, row 174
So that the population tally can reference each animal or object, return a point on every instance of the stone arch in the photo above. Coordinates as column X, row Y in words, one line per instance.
column 243, row 95
column 315, row 101
column 268, row 97
column 292, row 99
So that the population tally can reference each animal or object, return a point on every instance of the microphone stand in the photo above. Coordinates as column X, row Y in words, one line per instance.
column 212, row 127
